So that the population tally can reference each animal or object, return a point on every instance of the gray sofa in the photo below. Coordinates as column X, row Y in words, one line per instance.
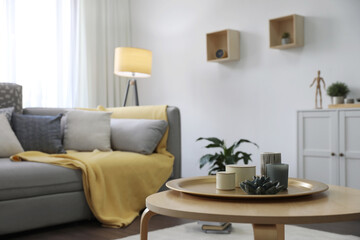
column 35, row 195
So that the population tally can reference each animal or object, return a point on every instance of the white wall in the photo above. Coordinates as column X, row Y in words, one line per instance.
column 254, row 98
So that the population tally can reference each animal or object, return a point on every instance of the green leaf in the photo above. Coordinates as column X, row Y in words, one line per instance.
column 230, row 160
column 212, row 145
column 205, row 159
column 246, row 157
column 237, row 144
column 214, row 157
column 215, row 170
column 212, row 139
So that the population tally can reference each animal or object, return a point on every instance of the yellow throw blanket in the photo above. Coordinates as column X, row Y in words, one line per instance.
column 116, row 184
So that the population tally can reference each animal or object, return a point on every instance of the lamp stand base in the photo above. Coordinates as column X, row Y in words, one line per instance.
column 133, row 83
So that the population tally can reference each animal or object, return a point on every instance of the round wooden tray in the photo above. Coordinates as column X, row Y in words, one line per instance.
column 205, row 186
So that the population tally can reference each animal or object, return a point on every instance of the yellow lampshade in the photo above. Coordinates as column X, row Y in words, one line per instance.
column 132, row 62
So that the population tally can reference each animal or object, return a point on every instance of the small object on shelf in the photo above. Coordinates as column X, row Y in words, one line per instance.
column 261, row 186
column 358, row 100
column 221, row 53
column 349, row 101
column 292, row 24
column 318, row 79
column 226, row 40
column 285, row 39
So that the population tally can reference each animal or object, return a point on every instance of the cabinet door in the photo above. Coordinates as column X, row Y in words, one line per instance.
column 318, row 146
column 349, row 131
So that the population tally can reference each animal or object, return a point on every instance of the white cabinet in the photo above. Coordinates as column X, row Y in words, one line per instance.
column 329, row 146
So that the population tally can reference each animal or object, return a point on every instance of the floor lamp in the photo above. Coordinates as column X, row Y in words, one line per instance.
column 132, row 63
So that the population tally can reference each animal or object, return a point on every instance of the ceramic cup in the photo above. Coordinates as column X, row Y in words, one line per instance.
column 242, row 173
column 225, row 181
column 278, row 172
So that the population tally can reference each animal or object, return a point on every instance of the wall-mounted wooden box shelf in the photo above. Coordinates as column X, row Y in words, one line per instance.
column 227, row 40
column 293, row 24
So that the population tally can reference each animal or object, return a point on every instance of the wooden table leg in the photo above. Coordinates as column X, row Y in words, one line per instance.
column 144, row 223
column 269, row 231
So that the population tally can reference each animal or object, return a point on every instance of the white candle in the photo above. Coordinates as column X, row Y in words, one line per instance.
column 242, row 173
column 225, row 181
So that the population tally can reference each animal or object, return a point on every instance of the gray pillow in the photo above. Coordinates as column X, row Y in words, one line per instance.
column 137, row 135
column 38, row 133
column 11, row 96
column 9, row 144
column 8, row 112
column 87, row 131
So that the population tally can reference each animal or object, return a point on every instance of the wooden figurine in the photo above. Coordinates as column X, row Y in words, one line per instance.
column 318, row 79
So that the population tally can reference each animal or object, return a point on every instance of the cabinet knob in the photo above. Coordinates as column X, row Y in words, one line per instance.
column 341, row 154
column 333, row 154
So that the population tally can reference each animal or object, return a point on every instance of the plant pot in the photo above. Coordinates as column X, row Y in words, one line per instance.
column 337, row 100
column 285, row 41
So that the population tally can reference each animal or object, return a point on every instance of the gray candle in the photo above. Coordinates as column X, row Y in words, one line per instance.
column 278, row 172
column 267, row 158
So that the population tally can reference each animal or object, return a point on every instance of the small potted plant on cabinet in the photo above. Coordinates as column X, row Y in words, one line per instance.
column 337, row 91
column 285, row 39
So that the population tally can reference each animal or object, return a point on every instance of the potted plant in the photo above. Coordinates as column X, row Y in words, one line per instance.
column 227, row 155
column 285, row 39
column 337, row 91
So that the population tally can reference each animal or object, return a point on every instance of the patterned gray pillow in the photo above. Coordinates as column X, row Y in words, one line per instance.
column 38, row 133
column 8, row 112
column 11, row 96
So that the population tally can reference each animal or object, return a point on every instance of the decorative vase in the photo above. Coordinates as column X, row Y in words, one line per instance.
column 285, row 41
column 338, row 100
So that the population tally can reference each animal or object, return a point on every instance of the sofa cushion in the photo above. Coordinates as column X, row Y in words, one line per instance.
column 11, row 96
column 136, row 135
column 8, row 112
column 29, row 179
column 9, row 144
column 38, row 133
column 87, row 131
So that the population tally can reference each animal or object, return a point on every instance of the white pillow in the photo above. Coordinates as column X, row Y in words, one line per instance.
column 9, row 144
column 87, row 131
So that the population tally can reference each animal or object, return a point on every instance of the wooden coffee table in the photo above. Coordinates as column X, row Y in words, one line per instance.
column 267, row 216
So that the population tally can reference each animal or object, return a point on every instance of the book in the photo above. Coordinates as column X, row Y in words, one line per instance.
column 215, row 227
column 226, row 230
column 211, row 223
